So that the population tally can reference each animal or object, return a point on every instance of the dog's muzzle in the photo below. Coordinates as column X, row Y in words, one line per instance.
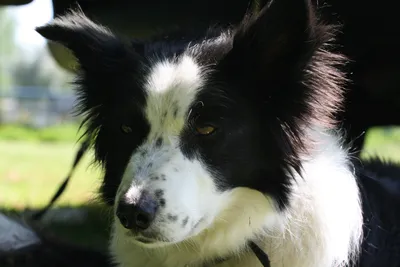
column 137, row 215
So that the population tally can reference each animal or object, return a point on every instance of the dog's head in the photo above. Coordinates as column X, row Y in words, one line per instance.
column 202, row 134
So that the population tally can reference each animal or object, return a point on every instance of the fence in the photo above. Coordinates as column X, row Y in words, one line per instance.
column 36, row 106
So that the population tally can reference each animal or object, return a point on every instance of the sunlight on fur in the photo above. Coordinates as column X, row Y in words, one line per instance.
column 321, row 226
column 273, row 172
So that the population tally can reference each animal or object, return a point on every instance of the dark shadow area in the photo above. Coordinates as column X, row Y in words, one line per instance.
column 66, row 236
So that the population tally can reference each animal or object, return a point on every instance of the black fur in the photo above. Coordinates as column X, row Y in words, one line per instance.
column 380, row 190
column 276, row 78
column 268, row 80
column 276, row 66
column 108, row 88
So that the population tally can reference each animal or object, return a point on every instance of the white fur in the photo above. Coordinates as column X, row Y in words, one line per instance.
column 322, row 227
column 184, row 183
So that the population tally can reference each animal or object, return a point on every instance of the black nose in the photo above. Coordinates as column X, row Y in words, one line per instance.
column 138, row 215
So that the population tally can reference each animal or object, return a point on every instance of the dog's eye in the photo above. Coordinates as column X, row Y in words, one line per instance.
column 205, row 130
column 126, row 129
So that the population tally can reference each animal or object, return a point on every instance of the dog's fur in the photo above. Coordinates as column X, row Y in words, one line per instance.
column 274, row 172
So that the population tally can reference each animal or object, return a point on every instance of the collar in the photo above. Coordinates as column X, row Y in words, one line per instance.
column 261, row 255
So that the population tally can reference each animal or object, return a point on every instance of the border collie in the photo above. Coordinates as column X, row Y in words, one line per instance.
column 211, row 141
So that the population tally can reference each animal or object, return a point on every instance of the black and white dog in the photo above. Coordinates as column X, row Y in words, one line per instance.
column 211, row 141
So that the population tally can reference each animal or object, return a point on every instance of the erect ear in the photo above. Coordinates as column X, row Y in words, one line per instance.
column 281, row 34
column 109, row 68
column 92, row 44
column 281, row 58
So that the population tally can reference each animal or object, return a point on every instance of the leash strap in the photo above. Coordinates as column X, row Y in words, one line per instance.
column 83, row 148
column 261, row 255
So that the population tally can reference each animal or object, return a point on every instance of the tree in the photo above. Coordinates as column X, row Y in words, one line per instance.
column 41, row 71
column 7, row 49
column 7, row 53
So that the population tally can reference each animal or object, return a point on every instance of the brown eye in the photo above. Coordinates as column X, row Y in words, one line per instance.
column 205, row 130
column 126, row 129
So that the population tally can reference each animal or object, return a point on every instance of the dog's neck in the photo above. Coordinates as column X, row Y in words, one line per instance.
column 209, row 263
column 259, row 253
column 322, row 226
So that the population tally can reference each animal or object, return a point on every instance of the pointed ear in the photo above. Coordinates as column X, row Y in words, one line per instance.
column 283, row 31
column 281, row 58
column 91, row 43
column 108, row 77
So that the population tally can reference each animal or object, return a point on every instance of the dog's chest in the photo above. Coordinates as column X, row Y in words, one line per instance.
column 141, row 258
column 155, row 263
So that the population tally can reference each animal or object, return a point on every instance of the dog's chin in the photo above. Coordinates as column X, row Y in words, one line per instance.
column 150, row 242
column 156, row 241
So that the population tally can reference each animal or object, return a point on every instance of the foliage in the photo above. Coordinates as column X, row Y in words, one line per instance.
column 41, row 71
column 384, row 143
column 7, row 49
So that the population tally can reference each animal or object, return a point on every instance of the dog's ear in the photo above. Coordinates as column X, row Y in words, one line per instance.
column 281, row 57
column 108, row 77
column 92, row 44
column 276, row 38
column 281, row 62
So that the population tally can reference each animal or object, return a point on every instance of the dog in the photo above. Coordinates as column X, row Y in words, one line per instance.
column 211, row 141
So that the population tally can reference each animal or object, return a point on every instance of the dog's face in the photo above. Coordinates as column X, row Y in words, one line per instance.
column 204, row 134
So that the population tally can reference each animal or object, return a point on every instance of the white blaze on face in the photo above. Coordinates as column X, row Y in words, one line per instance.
column 171, row 89
column 185, row 190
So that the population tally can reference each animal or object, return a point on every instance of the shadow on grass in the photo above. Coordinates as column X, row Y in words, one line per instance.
column 70, row 236
column 84, row 225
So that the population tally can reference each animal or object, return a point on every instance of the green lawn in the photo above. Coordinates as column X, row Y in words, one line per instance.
column 383, row 144
column 34, row 163
column 31, row 171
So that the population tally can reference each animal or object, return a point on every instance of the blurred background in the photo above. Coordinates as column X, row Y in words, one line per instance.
column 39, row 132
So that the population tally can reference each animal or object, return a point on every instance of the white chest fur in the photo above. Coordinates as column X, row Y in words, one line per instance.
column 321, row 228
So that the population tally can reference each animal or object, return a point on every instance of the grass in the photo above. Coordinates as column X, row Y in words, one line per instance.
column 30, row 173
column 32, row 165
column 93, row 232
column 59, row 133
column 30, row 170
column 383, row 143
column 34, row 162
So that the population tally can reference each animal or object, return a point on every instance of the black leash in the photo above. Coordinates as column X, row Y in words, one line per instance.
column 82, row 149
column 261, row 255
